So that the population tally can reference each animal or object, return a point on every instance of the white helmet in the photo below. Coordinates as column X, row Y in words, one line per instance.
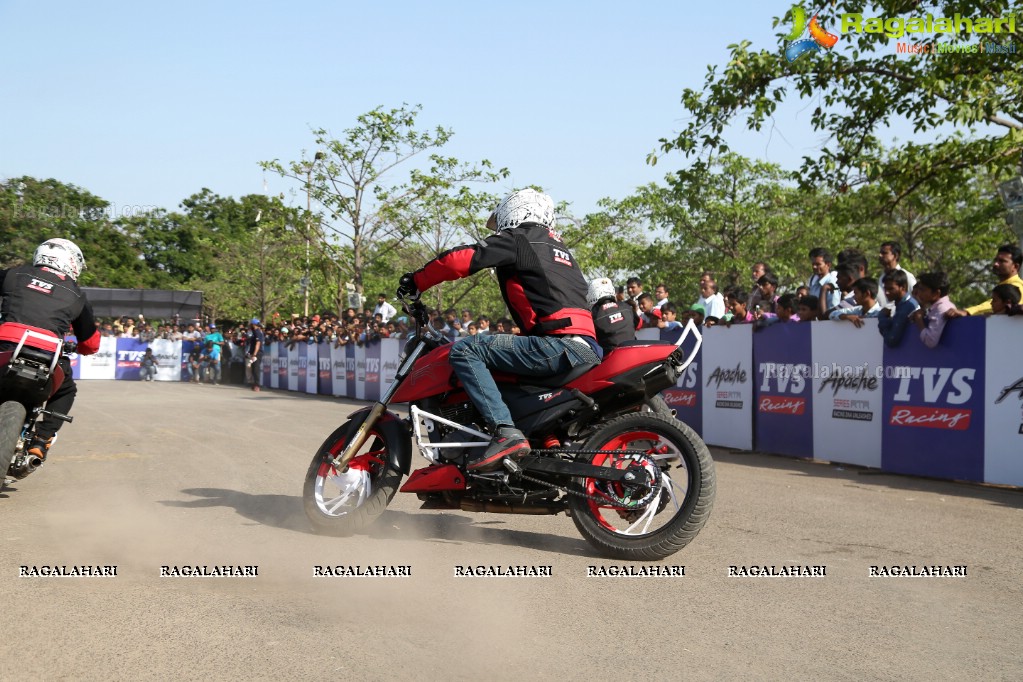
column 61, row 255
column 525, row 206
column 598, row 290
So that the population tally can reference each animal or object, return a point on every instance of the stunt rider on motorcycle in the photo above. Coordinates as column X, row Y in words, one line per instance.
column 546, row 294
column 615, row 322
column 45, row 296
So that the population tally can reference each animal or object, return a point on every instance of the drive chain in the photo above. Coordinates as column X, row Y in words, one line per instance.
column 578, row 493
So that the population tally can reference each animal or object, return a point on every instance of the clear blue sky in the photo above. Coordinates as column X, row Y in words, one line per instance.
column 145, row 103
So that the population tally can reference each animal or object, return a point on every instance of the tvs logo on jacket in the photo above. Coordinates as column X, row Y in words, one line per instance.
column 40, row 285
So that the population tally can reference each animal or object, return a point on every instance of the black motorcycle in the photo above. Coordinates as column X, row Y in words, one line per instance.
column 30, row 373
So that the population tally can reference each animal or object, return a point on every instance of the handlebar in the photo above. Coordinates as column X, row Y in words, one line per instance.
column 415, row 309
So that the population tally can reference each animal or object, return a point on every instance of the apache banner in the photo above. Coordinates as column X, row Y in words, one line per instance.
column 847, row 372
column 728, row 386
column 1003, row 403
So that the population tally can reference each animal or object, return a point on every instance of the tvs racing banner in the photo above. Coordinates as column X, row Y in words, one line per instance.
column 373, row 371
column 728, row 386
column 784, row 389
column 933, row 404
column 324, row 360
column 686, row 397
column 1003, row 404
column 847, row 373
column 129, row 356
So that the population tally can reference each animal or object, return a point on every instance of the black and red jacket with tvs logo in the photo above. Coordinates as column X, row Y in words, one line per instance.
column 539, row 278
column 46, row 299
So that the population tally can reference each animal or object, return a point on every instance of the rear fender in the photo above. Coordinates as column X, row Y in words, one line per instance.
column 390, row 427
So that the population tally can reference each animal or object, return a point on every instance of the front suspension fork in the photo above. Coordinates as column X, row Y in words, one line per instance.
column 340, row 462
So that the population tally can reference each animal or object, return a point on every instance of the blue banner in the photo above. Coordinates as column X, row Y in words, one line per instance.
column 324, row 380
column 686, row 397
column 783, row 392
column 373, row 371
column 186, row 349
column 267, row 366
column 303, row 365
column 129, row 354
column 350, row 380
column 282, row 365
column 933, row 404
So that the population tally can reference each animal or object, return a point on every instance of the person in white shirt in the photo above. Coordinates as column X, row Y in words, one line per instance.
column 889, row 256
column 660, row 296
column 385, row 309
column 713, row 303
column 865, row 291
column 824, row 282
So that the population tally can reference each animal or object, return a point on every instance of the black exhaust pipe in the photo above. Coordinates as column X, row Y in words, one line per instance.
column 24, row 466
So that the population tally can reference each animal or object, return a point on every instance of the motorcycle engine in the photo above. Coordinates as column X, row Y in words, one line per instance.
column 455, row 436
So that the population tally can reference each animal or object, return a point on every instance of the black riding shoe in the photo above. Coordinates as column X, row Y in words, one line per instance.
column 507, row 442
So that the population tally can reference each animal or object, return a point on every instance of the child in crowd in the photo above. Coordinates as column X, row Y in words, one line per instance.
column 1005, row 300
column 932, row 293
column 697, row 312
column 669, row 317
column 787, row 308
column 768, row 285
column 865, row 297
column 892, row 324
column 808, row 306
column 735, row 301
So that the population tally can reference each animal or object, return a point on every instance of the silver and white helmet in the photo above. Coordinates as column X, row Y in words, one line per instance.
column 61, row 255
column 598, row 290
column 525, row 206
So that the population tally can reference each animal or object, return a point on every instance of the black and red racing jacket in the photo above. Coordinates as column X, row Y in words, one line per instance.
column 539, row 279
column 48, row 300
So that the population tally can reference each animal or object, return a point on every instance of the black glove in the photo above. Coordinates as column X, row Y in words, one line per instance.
column 407, row 288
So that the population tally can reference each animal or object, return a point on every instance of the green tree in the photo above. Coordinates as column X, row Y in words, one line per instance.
column 354, row 180
column 736, row 213
column 964, row 108
column 957, row 230
column 256, row 266
column 32, row 211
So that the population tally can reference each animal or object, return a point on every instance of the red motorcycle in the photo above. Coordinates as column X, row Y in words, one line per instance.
column 30, row 373
column 637, row 483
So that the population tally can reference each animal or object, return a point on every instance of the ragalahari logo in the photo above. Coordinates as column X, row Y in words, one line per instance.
column 818, row 38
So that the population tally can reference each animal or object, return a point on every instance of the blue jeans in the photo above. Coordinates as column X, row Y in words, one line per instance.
column 148, row 372
column 473, row 357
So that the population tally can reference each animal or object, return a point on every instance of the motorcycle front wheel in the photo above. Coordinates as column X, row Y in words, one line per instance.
column 345, row 503
column 12, row 419
column 652, row 521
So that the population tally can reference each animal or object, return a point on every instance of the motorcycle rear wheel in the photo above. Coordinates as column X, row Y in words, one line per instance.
column 681, row 505
column 12, row 419
column 658, row 405
column 344, row 504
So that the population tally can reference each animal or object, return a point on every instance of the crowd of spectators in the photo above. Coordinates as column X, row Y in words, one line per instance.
column 214, row 352
column 839, row 289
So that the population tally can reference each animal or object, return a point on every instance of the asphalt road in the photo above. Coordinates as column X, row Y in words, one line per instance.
column 156, row 474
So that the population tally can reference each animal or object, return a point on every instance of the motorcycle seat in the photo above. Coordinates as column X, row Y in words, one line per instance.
column 644, row 342
column 558, row 380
